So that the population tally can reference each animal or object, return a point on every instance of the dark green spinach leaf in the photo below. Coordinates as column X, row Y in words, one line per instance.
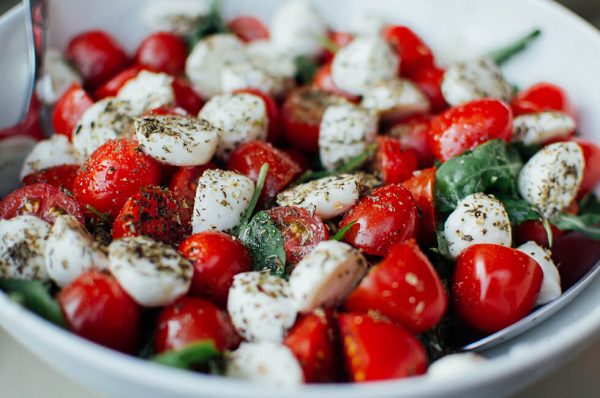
column 34, row 296
column 264, row 240
column 189, row 356
column 306, row 68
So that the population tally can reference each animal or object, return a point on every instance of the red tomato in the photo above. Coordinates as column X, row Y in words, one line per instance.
column 190, row 320
column 111, row 87
column 274, row 134
column 166, row 110
column 429, row 79
column 542, row 97
column 324, row 81
column 465, row 127
column 494, row 286
column 422, row 187
column 392, row 163
column 162, row 52
column 312, row 341
column 97, row 56
column 298, row 157
column 68, row 110
column 535, row 231
column 300, row 229
column 30, row 126
column 97, row 308
column 61, row 177
column 411, row 49
column 185, row 181
column 113, row 173
column 186, row 97
column 217, row 258
column 385, row 217
column 379, row 350
column 40, row 200
column 591, row 172
column 574, row 254
column 248, row 28
column 340, row 39
column 248, row 158
column 412, row 133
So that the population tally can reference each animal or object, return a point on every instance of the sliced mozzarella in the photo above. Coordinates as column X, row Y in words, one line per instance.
column 251, row 75
column 538, row 128
column 550, row 180
column 222, row 197
column 551, row 289
column 455, row 365
column 57, row 77
column 328, row 197
column 261, row 306
column 346, row 131
column 147, row 91
column 472, row 80
column 367, row 60
column 70, row 250
column 241, row 118
column 106, row 120
column 208, row 58
column 266, row 363
column 53, row 151
column 181, row 17
column 325, row 277
column 22, row 247
column 177, row 140
column 296, row 28
column 478, row 218
column 395, row 98
column 152, row 273
column 274, row 60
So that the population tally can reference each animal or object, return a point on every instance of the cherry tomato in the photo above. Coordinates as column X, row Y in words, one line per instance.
column 542, row 97
column 274, row 135
column 217, row 257
column 111, row 87
column 464, row 127
column 494, row 286
column 113, row 173
column 97, row 308
column 248, row 28
column 192, row 319
column 300, row 229
column 166, row 110
column 69, row 108
column 385, row 217
column 298, row 157
column 340, row 39
column 422, row 187
column 412, row 133
column 61, row 177
column 186, row 97
column 97, row 56
column 591, row 172
column 574, row 254
column 162, row 52
column 185, row 181
column 324, row 81
column 376, row 349
column 392, row 163
column 535, row 231
column 411, row 49
column 429, row 79
column 40, row 200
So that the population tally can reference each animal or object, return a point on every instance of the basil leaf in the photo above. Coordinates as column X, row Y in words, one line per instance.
column 265, row 243
column 191, row 355
column 504, row 54
column 442, row 248
column 526, row 152
column 260, row 183
column 587, row 224
column 306, row 68
column 339, row 235
column 211, row 24
column 34, row 296
column 589, row 204
column 519, row 210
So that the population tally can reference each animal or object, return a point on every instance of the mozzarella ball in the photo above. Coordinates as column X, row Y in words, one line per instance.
column 250, row 75
column 147, row 91
column 57, row 77
column 53, row 151
column 395, row 98
column 455, row 365
column 550, row 289
column 538, row 128
column 181, row 17
column 277, row 62
column 22, row 247
column 366, row 24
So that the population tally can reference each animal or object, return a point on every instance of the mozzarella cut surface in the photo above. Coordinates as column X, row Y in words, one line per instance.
column 395, row 98
column 478, row 218
column 177, row 140
column 277, row 62
column 152, row 273
column 455, row 365
column 22, row 247
column 53, row 151
column 296, row 27
column 250, row 75
column 537, row 128
column 147, row 91
column 550, row 180
column 261, row 306
column 325, row 277
column 550, row 289
column 176, row 16
column 57, row 78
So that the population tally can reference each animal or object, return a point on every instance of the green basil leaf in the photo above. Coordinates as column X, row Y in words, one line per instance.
column 264, row 240
column 587, row 224
column 526, row 152
column 519, row 210
column 589, row 204
column 191, row 355
column 504, row 54
column 306, row 68
column 339, row 235
column 442, row 248
column 34, row 296
column 260, row 183
column 211, row 24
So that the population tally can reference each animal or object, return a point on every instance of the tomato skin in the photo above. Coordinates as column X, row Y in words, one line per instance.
column 97, row 56
column 191, row 319
column 97, row 308
column 412, row 133
column 411, row 49
column 591, row 172
column 113, row 173
column 535, row 231
column 466, row 126
column 298, row 157
column 429, row 79
column 422, row 187
column 248, row 28
column 217, row 257
column 385, row 217
column 542, row 97
column 69, row 108
column 494, row 286
column 274, row 133
column 186, row 97
column 111, row 87
column 379, row 350
column 324, row 81
column 185, row 181
column 61, row 177
column 166, row 110
column 340, row 39
column 392, row 163
column 163, row 52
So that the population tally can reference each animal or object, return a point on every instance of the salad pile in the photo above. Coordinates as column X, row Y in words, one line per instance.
column 295, row 204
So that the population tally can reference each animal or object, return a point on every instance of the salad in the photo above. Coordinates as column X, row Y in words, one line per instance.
column 292, row 204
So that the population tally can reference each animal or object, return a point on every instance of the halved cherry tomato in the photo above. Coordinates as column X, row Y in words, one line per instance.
column 61, row 177
column 166, row 111
column 163, row 52
column 385, row 217
column 464, row 127
column 324, row 81
column 422, row 187
column 574, row 254
column 186, row 97
column 274, row 134
column 340, row 39
column 69, row 109
column 429, row 79
column 591, row 172
column 300, row 229
column 411, row 49
column 376, row 349
column 217, row 257
column 190, row 320
column 185, row 181
column 542, row 97
column 392, row 163
column 535, row 231
column 248, row 28
column 40, row 200
column 412, row 133
column 494, row 286
column 111, row 87
column 97, row 308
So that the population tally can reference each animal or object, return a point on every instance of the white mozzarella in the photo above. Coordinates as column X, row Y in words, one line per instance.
column 367, row 60
column 325, row 276
column 550, row 289
column 106, row 120
column 208, row 58
column 57, row 77
column 147, row 91
column 251, row 75
column 538, row 128
column 152, row 273
column 296, row 28
column 222, row 197
column 70, row 251
column 53, row 151
column 455, row 365
column 241, row 118
column 478, row 218
column 346, row 131
column 366, row 24
column 22, row 247
column 550, row 180
column 181, row 17
column 475, row 79
column 261, row 306
column 328, row 197
column 266, row 363
column 395, row 98
column 177, row 140
column 266, row 54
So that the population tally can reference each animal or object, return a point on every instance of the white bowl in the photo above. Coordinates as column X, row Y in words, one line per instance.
column 568, row 54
